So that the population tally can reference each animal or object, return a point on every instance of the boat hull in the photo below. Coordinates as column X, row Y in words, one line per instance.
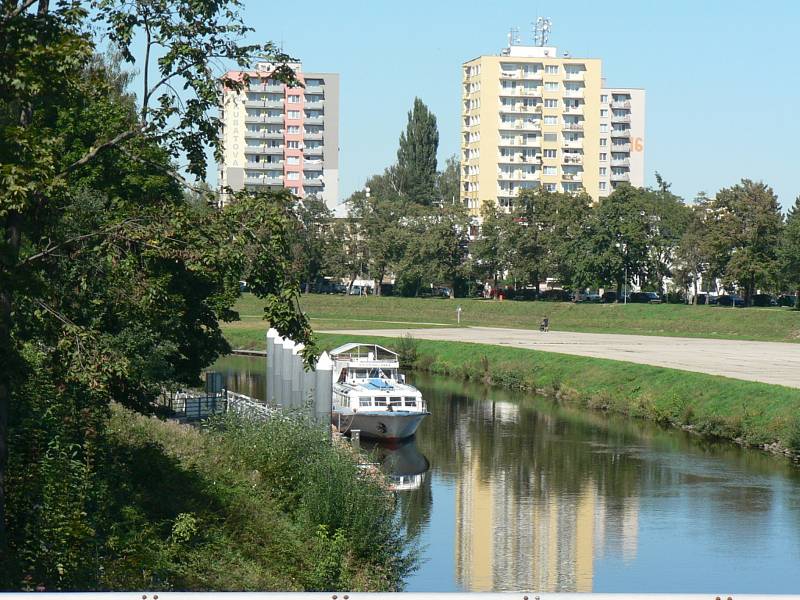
column 382, row 425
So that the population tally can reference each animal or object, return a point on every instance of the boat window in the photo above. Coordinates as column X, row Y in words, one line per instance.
column 361, row 373
column 396, row 401
column 411, row 401
column 364, row 401
column 379, row 401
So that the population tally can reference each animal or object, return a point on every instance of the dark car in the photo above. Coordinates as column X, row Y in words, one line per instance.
column 787, row 300
column 523, row 294
column 609, row 297
column 556, row 296
column 730, row 300
column 644, row 298
column 764, row 300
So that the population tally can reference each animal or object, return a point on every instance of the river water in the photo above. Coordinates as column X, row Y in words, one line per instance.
column 505, row 491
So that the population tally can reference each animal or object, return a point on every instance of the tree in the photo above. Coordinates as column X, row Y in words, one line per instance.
column 620, row 235
column 570, row 242
column 416, row 157
column 530, row 235
column 66, row 132
column 744, row 235
column 789, row 250
column 310, row 239
column 448, row 181
column 692, row 253
column 490, row 250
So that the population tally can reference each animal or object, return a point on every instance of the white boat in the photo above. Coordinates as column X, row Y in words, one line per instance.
column 370, row 395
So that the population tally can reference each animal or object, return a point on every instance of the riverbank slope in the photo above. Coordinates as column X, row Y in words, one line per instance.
column 749, row 413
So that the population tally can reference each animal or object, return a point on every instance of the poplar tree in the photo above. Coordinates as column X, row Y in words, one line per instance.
column 416, row 157
column 789, row 251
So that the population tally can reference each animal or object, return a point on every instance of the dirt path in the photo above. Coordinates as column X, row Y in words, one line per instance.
column 767, row 362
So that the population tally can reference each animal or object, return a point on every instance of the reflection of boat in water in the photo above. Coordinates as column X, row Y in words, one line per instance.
column 370, row 395
column 402, row 462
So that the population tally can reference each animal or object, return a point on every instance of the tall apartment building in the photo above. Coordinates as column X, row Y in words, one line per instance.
column 279, row 136
column 531, row 118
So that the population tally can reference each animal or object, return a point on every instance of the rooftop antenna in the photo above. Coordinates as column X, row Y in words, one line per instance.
column 541, row 31
column 513, row 36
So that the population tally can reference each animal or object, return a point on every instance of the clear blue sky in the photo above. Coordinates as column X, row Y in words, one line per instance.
column 721, row 75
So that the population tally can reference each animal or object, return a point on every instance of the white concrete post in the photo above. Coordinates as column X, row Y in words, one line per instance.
column 286, row 375
column 272, row 334
column 277, row 371
column 323, row 390
column 297, row 376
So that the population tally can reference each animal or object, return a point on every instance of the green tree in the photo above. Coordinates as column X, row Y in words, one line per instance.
column 620, row 237
column 570, row 243
column 310, row 239
column 789, row 250
column 416, row 156
column 448, row 181
column 490, row 249
column 692, row 253
column 744, row 235
column 69, row 139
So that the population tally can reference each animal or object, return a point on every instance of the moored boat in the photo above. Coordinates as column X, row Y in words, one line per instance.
column 371, row 395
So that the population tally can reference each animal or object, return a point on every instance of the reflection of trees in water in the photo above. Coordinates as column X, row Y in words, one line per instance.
column 415, row 507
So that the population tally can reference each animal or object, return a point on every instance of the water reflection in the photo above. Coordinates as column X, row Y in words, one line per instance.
column 508, row 492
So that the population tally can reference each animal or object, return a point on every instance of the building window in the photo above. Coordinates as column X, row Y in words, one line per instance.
column 550, row 103
column 603, row 112
column 550, row 137
column 550, row 187
column 294, row 99
column 551, row 120
column 551, row 85
column 549, row 170
column 602, row 171
column 292, row 144
column 293, row 129
column 294, row 114
column 603, row 98
column 292, row 160
column 603, row 127
column 548, row 153
column 602, row 185
column 603, row 141
column 293, row 175
column 551, row 69
column 603, row 156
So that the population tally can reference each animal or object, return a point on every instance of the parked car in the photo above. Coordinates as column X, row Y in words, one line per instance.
column 764, row 300
column 523, row 294
column 787, row 300
column 555, row 296
column 644, row 298
column 359, row 290
column 730, row 300
column 609, row 297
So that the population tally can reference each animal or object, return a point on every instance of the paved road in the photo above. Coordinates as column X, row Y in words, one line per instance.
column 767, row 362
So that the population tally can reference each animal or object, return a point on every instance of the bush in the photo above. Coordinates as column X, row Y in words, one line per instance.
column 407, row 350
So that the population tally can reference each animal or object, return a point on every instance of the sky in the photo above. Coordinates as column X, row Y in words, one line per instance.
column 721, row 76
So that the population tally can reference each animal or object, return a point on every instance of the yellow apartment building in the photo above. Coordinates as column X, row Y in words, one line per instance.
column 533, row 118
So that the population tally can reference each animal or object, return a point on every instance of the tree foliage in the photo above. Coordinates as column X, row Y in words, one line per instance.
column 416, row 156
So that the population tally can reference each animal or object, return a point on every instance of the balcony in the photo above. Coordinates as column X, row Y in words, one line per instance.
column 274, row 120
column 573, row 93
column 620, row 177
column 314, row 89
column 573, row 110
column 313, row 182
column 315, row 120
column 273, row 150
column 620, row 104
column 312, row 162
column 313, row 136
column 621, row 148
column 574, row 144
column 621, row 133
column 572, row 159
column 265, row 166
column 620, row 162
column 574, row 76
column 620, row 118
column 272, row 135
column 572, row 177
column 264, row 180
column 314, row 150
column 509, row 74
column 318, row 105
column 573, row 127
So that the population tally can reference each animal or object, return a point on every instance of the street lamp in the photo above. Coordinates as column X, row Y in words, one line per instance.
column 624, row 247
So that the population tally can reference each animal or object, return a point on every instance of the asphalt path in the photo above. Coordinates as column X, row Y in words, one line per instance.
column 766, row 362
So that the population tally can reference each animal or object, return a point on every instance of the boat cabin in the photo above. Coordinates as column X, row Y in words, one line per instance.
column 366, row 364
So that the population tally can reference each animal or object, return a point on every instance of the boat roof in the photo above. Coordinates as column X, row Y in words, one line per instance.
column 360, row 350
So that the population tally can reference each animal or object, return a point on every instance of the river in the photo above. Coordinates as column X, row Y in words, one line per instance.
column 507, row 491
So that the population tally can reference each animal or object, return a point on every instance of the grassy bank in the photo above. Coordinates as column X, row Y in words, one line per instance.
column 352, row 312
column 234, row 506
column 753, row 414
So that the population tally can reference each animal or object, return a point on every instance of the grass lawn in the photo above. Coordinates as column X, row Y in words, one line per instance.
column 353, row 312
column 755, row 414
